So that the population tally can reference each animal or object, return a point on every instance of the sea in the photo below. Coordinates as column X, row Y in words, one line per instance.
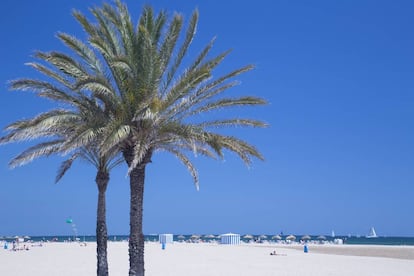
column 257, row 238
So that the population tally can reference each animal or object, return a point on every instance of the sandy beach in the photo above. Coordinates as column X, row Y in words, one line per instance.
column 66, row 259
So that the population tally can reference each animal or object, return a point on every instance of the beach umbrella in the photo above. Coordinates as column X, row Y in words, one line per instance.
column 263, row 237
column 195, row 237
column 322, row 237
column 306, row 237
column 291, row 238
column 74, row 229
column 249, row 237
column 181, row 237
column 209, row 236
column 276, row 237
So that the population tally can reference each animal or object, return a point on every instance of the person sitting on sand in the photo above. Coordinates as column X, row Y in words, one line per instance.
column 276, row 254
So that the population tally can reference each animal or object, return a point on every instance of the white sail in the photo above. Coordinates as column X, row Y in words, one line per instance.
column 372, row 233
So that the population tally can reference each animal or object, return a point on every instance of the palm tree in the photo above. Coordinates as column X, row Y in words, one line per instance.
column 70, row 128
column 103, row 165
column 156, row 108
column 151, row 99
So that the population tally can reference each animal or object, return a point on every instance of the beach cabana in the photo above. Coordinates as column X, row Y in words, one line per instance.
column 230, row 238
column 165, row 238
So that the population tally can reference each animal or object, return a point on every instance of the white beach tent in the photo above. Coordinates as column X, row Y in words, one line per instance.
column 165, row 238
column 230, row 238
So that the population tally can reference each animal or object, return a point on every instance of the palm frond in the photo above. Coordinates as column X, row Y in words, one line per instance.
column 191, row 79
column 126, row 29
column 243, row 149
column 43, row 89
column 81, row 137
column 191, row 30
column 100, row 87
column 65, row 166
column 228, row 102
column 115, row 134
column 215, row 87
column 170, row 41
column 106, row 36
column 114, row 162
column 83, row 51
column 65, row 64
column 187, row 163
column 34, row 152
column 50, row 73
column 124, row 65
column 141, row 148
column 233, row 123
column 88, row 27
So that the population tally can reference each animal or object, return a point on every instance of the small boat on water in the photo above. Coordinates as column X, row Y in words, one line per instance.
column 372, row 234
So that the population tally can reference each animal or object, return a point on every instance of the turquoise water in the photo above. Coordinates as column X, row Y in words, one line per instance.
column 380, row 240
column 346, row 239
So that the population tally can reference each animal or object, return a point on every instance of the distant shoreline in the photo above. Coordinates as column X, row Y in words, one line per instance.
column 389, row 241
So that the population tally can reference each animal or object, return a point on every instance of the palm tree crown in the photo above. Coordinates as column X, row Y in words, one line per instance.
column 154, row 106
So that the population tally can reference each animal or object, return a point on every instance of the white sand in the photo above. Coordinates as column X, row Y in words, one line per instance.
column 208, row 259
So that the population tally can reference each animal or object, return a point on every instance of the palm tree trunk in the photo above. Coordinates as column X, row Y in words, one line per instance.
column 102, row 179
column 136, row 236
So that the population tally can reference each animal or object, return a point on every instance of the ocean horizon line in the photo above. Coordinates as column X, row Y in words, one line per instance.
column 261, row 238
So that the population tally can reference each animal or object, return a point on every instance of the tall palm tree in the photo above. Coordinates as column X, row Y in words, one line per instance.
column 71, row 130
column 103, row 165
column 152, row 99
column 158, row 100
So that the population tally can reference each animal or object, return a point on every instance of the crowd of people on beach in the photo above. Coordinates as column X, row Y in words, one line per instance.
column 16, row 246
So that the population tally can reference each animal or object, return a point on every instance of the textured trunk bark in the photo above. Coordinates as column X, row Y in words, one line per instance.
column 136, row 236
column 102, row 179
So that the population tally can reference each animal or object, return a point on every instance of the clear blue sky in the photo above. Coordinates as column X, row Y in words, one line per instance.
column 339, row 76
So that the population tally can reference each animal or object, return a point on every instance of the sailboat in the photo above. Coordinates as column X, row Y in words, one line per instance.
column 371, row 234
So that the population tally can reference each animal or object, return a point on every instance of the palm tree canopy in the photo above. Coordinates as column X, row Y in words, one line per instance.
column 73, row 129
column 157, row 101
column 130, row 87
